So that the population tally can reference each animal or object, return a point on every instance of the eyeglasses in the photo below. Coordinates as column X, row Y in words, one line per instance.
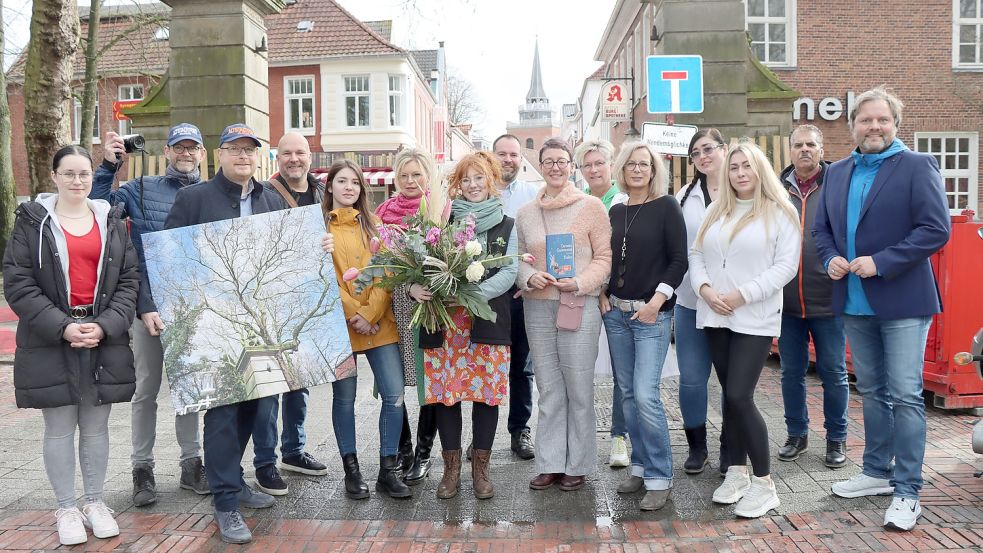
column 238, row 150
column 84, row 176
column 550, row 163
column 704, row 151
column 180, row 148
column 592, row 166
column 638, row 166
column 288, row 155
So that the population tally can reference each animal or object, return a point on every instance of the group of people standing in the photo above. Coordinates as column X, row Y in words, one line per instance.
column 741, row 255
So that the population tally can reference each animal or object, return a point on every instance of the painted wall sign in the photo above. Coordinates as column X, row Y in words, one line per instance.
column 830, row 108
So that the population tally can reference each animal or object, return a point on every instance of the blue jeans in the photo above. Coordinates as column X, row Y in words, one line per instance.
column 618, row 426
column 387, row 368
column 638, row 352
column 227, row 431
column 293, row 438
column 888, row 356
column 693, row 358
column 793, row 348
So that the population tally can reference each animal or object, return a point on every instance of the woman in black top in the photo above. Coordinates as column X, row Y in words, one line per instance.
column 649, row 258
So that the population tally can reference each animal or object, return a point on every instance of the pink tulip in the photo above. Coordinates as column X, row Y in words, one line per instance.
column 529, row 258
column 350, row 275
column 374, row 245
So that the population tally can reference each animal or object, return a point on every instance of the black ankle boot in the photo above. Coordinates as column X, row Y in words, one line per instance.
column 835, row 454
column 794, row 446
column 355, row 487
column 698, row 457
column 389, row 480
column 426, row 432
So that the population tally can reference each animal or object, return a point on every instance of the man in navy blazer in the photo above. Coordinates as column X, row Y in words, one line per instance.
column 882, row 213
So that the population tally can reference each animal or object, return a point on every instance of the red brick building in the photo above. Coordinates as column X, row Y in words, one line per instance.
column 929, row 52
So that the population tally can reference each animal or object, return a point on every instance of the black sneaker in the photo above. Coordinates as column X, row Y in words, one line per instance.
column 268, row 480
column 304, row 463
column 144, row 486
column 193, row 476
column 522, row 444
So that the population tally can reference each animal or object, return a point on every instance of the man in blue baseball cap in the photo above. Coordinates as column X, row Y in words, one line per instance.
column 147, row 201
column 233, row 192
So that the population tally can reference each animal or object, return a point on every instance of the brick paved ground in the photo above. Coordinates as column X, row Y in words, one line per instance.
column 316, row 516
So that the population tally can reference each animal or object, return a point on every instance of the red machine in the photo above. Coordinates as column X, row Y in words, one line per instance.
column 958, row 269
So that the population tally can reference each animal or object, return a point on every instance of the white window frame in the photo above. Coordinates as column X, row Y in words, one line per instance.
column 290, row 97
column 124, row 125
column 971, row 173
column 957, row 22
column 399, row 95
column 357, row 94
column 77, row 121
column 790, row 33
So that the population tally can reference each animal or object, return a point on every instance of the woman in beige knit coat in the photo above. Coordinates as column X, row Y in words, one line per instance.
column 563, row 321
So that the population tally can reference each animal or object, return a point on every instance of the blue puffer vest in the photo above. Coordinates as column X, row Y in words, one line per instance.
column 158, row 197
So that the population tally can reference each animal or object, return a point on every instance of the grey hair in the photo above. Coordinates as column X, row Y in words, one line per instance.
column 807, row 128
column 878, row 93
column 601, row 146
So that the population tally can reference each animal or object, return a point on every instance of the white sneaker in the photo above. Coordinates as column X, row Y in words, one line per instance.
column 735, row 485
column 100, row 519
column 862, row 485
column 903, row 513
column 71, row 528
column 760, row 498
column 619, row 453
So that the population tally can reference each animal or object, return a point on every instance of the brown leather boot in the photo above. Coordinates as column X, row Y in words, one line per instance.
column 479, row 474
column 451, row 480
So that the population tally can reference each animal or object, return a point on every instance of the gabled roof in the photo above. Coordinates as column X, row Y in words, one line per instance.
column 135, row 51
column 599, row 74
column 336, row 33
column 383, row 28
column 426, row 60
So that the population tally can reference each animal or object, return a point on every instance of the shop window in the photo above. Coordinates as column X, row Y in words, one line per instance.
column 771, row 24
column 957, row 154
column 967, row 34
column 299, row 100
column 529, row 144
column 128, row 92
column 357, row 101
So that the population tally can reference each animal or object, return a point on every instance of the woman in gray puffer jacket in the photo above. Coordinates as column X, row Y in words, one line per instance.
column 71, row 275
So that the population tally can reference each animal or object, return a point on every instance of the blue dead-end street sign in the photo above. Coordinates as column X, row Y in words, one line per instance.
column 675, row 84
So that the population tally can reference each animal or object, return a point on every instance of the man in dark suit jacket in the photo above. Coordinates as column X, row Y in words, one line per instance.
column 882, row 214
column 232, row 193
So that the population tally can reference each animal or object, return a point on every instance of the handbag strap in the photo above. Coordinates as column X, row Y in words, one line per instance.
column 287, row 196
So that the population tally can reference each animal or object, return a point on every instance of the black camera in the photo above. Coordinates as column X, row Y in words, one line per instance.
column 133, row 143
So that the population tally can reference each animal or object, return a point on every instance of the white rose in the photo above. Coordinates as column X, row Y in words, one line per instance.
column 474, row 272
column 472, row 248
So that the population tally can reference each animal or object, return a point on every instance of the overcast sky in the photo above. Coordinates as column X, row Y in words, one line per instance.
column 490, row 43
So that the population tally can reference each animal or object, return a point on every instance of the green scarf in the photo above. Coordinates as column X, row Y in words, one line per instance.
column 487, row 214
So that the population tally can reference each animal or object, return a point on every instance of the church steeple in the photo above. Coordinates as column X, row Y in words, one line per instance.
column 536, row 93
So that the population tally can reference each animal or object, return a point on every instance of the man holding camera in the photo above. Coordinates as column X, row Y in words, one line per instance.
column 147, row 201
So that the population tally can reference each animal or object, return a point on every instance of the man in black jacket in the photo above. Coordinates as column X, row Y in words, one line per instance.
column 233, row 192
column 298, row 187
column 808, row 311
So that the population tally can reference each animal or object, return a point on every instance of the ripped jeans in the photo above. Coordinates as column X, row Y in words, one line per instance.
column 387, row 367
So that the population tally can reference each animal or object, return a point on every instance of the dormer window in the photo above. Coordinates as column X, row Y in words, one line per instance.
column 305, row 26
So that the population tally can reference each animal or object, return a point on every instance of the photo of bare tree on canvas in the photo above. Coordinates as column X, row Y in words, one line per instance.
column 250, row 308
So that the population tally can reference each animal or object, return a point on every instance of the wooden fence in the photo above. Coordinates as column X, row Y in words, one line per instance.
column 155, row 165
column 775, row 147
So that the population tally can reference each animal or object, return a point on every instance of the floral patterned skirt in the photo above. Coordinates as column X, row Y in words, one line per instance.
column 464, row 371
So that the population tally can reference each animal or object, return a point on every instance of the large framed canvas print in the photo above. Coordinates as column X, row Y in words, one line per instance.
column 250, row 308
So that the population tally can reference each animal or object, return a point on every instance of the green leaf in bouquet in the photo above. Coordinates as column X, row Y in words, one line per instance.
column 469, row 297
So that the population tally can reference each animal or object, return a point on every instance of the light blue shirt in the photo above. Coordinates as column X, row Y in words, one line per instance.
column 246, row 203
column 517, row 194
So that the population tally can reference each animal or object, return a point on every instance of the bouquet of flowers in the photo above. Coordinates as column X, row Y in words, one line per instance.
column 443, row 257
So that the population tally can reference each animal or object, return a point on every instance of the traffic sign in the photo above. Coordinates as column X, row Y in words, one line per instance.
column 668, row 139
column 675, row 84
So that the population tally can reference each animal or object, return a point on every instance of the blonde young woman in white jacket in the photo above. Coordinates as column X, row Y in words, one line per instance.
column 746, row 251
